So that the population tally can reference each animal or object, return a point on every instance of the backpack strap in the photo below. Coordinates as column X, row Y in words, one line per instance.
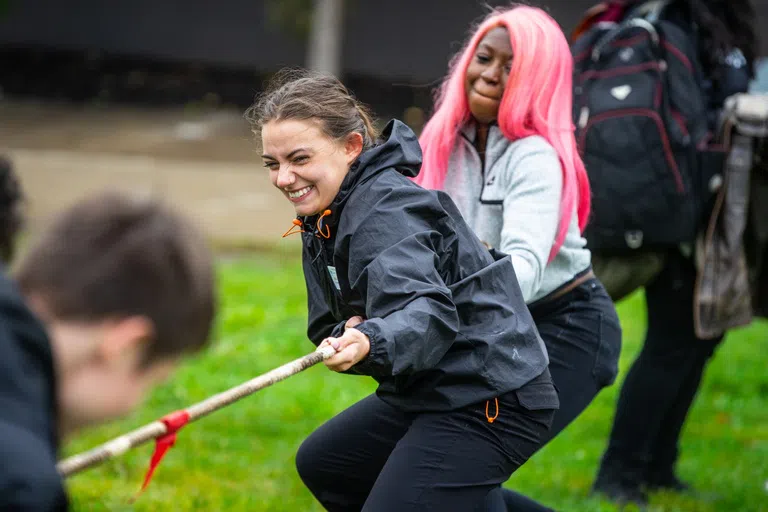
column 650, row 11
column 595, row 14
column 628, row 22
column 617, row 11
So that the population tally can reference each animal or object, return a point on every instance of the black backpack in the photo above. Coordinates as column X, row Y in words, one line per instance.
column 642, row 130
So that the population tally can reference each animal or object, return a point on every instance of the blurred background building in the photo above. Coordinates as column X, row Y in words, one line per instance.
column 177, row 51
column 149, row 94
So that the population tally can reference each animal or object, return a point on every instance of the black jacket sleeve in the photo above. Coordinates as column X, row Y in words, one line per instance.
column 320, row 322
column 28, row 477
column 411, row 319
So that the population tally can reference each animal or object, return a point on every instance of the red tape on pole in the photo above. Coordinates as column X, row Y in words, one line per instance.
column 173, row 422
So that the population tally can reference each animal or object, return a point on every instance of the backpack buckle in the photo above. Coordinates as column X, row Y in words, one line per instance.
column 634, row 239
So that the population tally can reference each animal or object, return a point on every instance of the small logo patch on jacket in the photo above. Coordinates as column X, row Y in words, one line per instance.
column 334, row 277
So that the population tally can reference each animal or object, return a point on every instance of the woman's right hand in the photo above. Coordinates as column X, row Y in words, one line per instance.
column 351, row 347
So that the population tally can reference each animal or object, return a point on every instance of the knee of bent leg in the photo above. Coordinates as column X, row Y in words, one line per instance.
column 308, row 460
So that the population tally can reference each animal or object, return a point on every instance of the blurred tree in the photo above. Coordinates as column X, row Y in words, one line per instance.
column 294, row 16
column 5, row 6
column 324, row 46
column 319, row 23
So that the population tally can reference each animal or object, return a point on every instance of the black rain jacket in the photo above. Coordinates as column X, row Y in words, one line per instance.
column 446, row 320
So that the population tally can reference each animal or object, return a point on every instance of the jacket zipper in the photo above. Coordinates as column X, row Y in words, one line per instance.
column 483, row 161
column 332, row 294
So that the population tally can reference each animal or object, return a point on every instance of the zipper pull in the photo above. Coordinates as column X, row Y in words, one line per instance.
column 583, row 117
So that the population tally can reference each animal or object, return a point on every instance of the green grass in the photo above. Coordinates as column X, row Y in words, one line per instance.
column 241, row 458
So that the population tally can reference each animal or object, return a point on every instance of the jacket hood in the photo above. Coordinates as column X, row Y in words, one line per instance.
column 398, row 149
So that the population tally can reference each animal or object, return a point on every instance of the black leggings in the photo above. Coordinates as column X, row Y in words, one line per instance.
column 374, row 457
column 583, row 337
column 662, row 383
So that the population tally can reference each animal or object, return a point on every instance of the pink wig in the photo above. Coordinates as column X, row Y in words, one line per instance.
column 537, row 100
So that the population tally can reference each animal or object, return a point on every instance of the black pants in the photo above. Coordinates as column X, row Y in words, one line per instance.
column 661, row 385
column 375, row 457
column 583, row 337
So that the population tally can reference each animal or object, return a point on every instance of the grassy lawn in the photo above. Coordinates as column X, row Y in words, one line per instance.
column 241, row 458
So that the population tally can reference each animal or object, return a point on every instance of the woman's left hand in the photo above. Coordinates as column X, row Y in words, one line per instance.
column 351, row 347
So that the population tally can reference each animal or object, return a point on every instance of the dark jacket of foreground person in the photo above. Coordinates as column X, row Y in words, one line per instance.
column 447, row 322
column 28, row 433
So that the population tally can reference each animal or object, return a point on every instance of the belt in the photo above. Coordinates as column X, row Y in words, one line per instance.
column 567, row 287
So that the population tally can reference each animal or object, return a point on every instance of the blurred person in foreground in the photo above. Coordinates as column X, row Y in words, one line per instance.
column 101, row 308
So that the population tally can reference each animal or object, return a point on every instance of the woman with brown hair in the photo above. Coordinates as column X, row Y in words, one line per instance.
column 399, row 285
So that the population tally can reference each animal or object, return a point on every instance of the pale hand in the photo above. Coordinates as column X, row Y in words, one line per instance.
column 351, row 347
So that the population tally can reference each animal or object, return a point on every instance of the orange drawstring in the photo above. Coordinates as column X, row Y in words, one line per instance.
column 296, row 223
column 327, row 233
column 491, row 419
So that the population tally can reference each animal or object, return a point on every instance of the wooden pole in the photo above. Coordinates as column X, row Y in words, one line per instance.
column 122, row 444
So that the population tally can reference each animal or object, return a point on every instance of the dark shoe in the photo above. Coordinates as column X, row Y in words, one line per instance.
column 621, row 494
column 666, row 482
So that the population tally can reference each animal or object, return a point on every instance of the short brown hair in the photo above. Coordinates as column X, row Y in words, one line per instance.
column 116, row 255
column 300, row 94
